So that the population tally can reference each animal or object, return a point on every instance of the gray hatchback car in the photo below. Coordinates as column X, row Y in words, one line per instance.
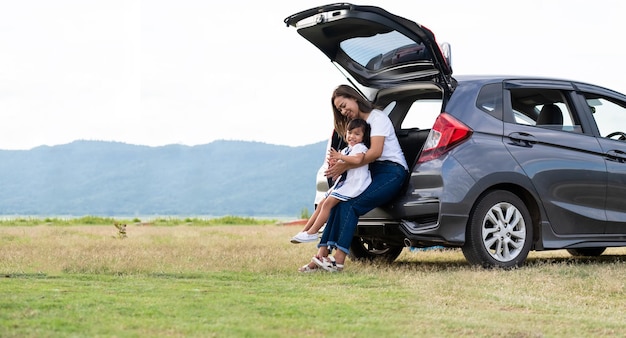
column 507, row 164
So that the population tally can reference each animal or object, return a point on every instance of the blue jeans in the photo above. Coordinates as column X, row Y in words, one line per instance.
column 387, row 180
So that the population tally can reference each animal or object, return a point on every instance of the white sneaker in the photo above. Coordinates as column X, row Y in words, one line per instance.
column 303, row 237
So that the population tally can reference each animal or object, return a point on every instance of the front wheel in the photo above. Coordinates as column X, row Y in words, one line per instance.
column 370, row 250
column 499, row 232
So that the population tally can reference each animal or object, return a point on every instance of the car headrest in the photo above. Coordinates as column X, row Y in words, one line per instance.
column 550, row 114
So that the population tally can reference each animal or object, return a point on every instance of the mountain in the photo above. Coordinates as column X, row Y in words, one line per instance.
column 117, row 179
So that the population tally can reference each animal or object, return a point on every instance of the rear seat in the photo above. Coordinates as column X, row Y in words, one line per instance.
column 411, row 142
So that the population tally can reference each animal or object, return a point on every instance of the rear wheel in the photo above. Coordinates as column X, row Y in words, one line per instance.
column 586, row 252
column 499, row 232
column 370, row 250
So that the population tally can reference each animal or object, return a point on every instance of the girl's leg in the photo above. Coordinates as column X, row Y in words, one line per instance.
column 315, row 215
column 322, row 216
column 310, row 221
column 332, row 226
column 331, row 230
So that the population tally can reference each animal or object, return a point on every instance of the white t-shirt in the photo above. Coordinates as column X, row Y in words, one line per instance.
column 381, row 126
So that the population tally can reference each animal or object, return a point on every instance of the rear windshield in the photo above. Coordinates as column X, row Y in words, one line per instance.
column 383, row 50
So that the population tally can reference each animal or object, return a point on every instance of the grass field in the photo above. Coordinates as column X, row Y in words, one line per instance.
column 186, row 280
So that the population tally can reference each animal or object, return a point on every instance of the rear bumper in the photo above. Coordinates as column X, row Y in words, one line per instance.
column 447, row 231
column 430, row 212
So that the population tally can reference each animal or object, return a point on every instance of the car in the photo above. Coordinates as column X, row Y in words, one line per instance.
column 506, row 164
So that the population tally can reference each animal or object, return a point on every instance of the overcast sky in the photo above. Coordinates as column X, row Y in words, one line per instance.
column 190, row 72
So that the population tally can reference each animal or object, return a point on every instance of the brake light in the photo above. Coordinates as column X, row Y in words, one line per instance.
column 444, row 135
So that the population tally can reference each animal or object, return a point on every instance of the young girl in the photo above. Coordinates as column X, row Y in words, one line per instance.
column 350, row 184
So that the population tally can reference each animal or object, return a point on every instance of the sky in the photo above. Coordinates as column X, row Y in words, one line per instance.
column 190, row 72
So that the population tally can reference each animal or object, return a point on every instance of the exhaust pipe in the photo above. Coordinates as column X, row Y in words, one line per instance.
column 407, row 242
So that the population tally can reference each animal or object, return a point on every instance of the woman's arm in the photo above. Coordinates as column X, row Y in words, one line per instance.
column 355, row 160
column 375, row 150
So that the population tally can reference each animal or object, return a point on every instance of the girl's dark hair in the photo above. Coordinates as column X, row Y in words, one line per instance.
column 341, row 122
column 360, row 123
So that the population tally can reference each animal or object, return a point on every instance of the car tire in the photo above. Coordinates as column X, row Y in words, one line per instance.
column 368, row 250
column 589, row 252
column 499, row 232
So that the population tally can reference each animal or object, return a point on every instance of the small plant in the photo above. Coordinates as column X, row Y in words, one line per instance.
column 304, row 213
column 121, row 230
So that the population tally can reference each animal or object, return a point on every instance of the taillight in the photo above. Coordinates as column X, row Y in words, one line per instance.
column 444, row 135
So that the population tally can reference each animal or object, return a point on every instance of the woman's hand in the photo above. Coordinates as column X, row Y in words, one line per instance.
column 334, row 155
column 335, row 166
column 335, row 169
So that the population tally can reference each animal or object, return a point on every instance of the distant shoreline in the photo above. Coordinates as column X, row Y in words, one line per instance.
column 143, row 218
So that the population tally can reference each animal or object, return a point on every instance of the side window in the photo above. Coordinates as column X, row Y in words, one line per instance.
column 422, row 114
column 544, row 108
column 490, row 100
column 609, row 115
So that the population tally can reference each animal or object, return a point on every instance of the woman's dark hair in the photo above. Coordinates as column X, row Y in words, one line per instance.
column 341, row 121
column 360, row 123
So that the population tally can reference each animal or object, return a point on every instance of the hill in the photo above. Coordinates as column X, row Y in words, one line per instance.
column 117, row 179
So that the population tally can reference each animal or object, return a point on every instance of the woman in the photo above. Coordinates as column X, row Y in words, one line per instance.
column 387, row 166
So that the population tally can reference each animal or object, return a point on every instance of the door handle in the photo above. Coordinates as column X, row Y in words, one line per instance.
column 522, row 139
column 616, row 155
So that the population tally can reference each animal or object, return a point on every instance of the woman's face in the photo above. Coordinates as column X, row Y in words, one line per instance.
column 347, row 106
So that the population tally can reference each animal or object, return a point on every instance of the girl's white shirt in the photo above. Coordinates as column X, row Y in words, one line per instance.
column 357, row 179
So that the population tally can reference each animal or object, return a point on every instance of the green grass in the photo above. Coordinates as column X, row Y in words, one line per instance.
column 241, row 281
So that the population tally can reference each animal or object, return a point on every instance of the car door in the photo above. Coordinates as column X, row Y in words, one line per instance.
column 607, row 110
column 561, row 156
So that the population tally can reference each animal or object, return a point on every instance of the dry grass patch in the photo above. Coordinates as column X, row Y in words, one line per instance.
column 97, row 249
column 242, row 281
